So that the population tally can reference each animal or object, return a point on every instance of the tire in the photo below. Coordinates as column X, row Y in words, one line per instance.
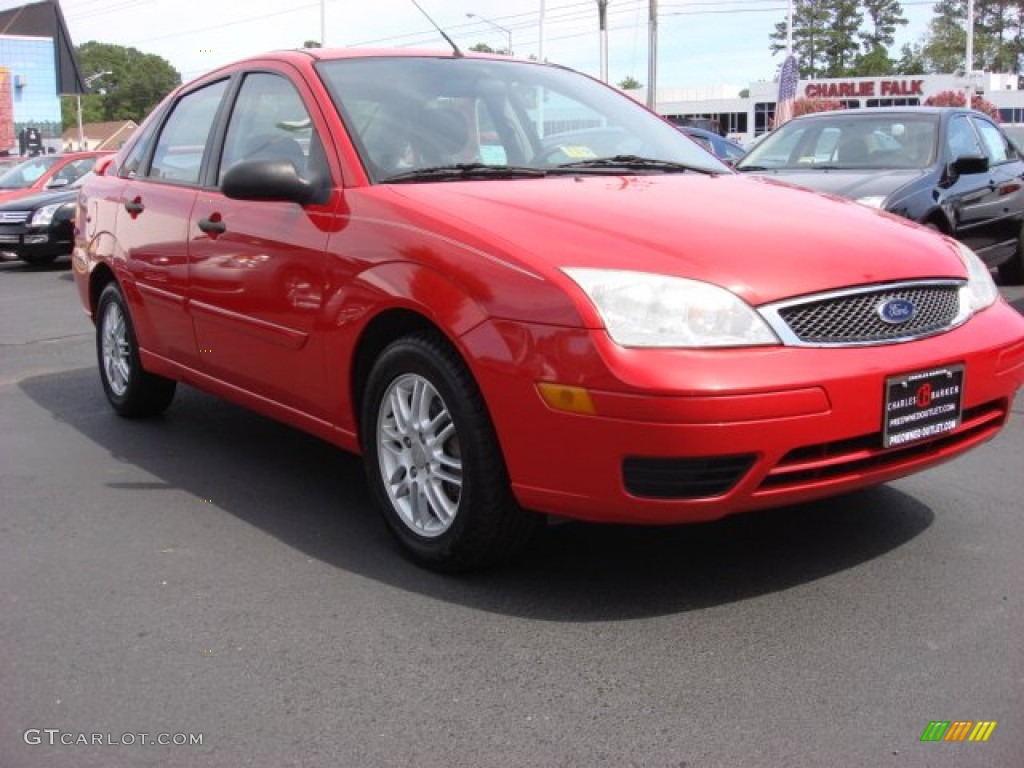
column 439, row 480
column 131, row 390
column 1012, row 272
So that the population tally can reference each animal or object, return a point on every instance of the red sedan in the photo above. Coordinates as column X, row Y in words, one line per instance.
column 388, row 250
column 45, row 172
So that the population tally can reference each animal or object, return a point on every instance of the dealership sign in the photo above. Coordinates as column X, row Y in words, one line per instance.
column 853, row 88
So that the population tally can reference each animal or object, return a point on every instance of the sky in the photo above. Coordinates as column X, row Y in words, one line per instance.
column 700, row 43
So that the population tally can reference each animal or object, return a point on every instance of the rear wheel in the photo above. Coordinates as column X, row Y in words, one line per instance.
column 131, row 391
column 432, row 459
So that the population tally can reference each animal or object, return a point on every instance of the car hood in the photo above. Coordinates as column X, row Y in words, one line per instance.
column 848, row 184
column 761, row 239
column 27, row 202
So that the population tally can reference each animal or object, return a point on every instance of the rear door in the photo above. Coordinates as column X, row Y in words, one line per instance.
column 153, row 221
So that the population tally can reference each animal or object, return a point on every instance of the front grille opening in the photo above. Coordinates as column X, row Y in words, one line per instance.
column 828, row 461
column 855, row 319
column 684, row 478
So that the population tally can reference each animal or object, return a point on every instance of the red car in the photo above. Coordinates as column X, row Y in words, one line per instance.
column 384, row 249
column 45, row 172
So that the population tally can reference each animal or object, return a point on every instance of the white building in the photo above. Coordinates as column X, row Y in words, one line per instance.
column 746, row 117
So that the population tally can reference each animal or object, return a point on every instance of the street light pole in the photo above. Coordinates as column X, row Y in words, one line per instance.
column 78, row 98
column 506, row 30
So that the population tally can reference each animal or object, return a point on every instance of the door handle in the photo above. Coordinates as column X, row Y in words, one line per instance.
column 213, row 225
column 134, row 207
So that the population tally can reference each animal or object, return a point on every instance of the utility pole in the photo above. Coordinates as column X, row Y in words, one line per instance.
column 602, row 24
column 652, row 55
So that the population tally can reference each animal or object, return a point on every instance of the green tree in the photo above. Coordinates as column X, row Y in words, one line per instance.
column 810, row 20
column 998, row 36
column 824, row 36
column 630, row 83
column 485, row 48
column 132, row 84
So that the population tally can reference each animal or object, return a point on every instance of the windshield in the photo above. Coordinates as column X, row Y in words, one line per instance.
column 412, row 114
column 838, row 140
column 27, row 173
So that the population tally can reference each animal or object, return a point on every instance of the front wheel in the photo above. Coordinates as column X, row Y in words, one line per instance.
column 1012, row 272
column 432, row 459
column 131, row 390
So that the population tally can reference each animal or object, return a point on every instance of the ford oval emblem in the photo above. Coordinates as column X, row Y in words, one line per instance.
column 895, row 311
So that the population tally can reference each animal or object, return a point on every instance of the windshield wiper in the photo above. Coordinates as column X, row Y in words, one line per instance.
column 630, row 163
column 459, row 171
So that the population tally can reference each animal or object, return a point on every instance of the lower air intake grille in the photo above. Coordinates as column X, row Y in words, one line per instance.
column 689, row 478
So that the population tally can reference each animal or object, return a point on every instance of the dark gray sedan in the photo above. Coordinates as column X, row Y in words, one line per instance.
column 950, row 169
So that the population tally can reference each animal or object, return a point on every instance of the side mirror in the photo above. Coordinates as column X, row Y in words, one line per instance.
column 966, row 164
column 270, row 180
column 57, row 183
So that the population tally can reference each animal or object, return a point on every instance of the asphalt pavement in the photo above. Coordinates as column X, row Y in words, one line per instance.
column 215, row 577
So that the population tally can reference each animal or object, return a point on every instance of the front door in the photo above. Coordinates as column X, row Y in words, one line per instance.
column 257, row 269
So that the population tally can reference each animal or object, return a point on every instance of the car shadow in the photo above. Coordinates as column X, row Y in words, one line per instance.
column 313, row 498
column 61, row 264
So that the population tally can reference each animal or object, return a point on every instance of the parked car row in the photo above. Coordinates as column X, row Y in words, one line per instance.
column 37, row 205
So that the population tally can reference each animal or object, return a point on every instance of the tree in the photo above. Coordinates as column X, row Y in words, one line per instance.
column 132, row 84
column 485, row 48
column 998, row 36
column 630, row 83
column 824, row 36
column 883, row 17
column 810, row 19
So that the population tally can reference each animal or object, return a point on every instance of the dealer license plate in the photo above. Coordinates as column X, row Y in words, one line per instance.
column 922, row 405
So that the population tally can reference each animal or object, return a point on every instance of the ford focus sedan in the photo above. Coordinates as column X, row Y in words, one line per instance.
column 418, row 259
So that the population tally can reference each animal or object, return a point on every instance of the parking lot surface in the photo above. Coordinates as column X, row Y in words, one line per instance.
column 213, row 574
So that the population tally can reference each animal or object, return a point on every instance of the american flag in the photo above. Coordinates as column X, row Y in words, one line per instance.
column 787, row 91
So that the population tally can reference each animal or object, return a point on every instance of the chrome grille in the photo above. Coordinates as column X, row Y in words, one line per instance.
column 853, row 317
column 14, row 217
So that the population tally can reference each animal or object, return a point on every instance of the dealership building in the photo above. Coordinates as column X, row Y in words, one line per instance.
column 747, row 117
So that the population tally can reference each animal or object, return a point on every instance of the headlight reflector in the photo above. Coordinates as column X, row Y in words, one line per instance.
column 43, row 216
column 980, row 291
column 641, row 309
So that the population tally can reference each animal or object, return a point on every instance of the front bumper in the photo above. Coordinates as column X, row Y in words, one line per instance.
column 685, row 436
column 36, row 243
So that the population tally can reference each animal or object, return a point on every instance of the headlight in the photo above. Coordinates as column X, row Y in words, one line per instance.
column 43, row 216
column 640, row 309
column 980, row 291
column 872, row 201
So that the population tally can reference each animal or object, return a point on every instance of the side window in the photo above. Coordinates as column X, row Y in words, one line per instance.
column 132, row 161
column 961, row 139
column 997, row 147
column 178, row 155
column 270, row 122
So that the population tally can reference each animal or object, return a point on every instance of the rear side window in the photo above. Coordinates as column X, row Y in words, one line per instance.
column 178, row 156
